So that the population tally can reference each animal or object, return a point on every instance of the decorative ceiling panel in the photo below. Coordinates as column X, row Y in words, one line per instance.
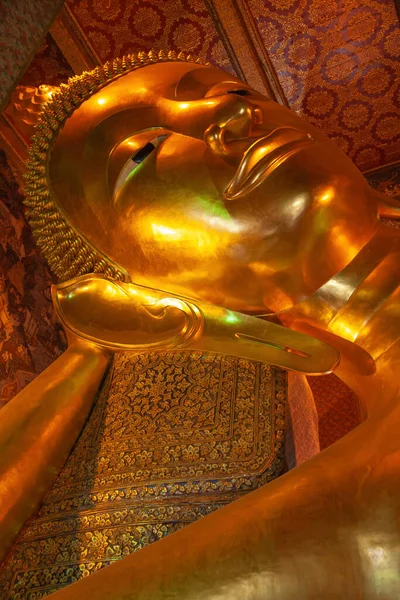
column 338, row 64
column 117, row 27
column 48, row 67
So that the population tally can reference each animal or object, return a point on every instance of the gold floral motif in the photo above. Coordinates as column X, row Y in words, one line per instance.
column 172, row 438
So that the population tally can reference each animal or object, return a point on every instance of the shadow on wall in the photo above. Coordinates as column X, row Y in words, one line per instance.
column 30, row 336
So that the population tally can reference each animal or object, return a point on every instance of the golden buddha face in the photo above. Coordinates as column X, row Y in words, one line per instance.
column 196, row 184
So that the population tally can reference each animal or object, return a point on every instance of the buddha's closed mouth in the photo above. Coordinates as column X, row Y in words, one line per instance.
column 263, row 157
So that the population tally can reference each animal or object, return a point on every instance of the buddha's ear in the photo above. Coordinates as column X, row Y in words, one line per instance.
column 27, row 104
column 128, row 317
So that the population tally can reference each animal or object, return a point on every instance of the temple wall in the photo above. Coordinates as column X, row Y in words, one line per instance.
column 23, row 24
column 338, row 66
column 30, row 337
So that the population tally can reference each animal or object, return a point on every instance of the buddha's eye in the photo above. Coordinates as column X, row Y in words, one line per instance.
column 240, row 92
column 143, row 153
column 136, row 159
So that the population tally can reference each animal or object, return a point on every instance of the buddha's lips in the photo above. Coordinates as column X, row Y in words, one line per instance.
column 263, row 157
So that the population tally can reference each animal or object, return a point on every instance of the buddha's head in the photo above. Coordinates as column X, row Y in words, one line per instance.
column 179, row 176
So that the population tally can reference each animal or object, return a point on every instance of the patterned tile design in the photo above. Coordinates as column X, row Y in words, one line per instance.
column 386, row 180
column 121, row 26
column 337, row 408
column 338, row 63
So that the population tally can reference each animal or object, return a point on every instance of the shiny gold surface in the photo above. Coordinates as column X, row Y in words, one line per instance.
column 237, row 203
column 256, row 208
column 122, row 316
column 234, row 226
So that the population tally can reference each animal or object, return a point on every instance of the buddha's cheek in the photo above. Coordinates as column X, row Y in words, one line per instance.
column 176, row 215
column 180, row 233
column 172, row 231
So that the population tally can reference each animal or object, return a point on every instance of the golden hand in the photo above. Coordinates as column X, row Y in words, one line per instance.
column 123, row 316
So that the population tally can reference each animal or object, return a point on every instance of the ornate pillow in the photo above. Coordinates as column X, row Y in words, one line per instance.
column 172, row 437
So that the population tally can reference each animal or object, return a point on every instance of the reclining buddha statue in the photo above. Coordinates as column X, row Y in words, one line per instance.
column 186, row 215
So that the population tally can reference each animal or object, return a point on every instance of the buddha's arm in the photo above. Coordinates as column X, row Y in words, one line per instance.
column 38, row 429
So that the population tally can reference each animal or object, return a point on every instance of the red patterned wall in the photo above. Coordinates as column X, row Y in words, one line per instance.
column 30, row 337
column 49, row 66
column 117, row 27
column 338, row 64
column 337, row 408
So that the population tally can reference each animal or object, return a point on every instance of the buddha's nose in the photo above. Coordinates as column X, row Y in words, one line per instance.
column 227, row 123
column 237, row 117
column 234, row 128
